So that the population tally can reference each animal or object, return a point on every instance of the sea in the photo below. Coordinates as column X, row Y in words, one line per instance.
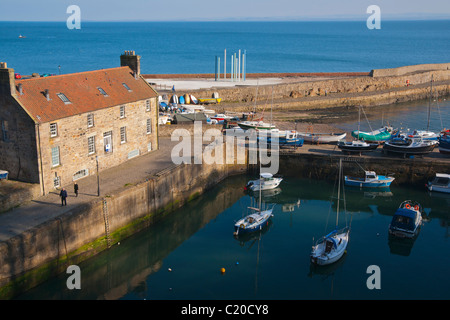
column 191, row 47
column 182, row 257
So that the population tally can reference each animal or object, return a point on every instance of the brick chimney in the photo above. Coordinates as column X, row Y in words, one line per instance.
column 130, row 59
column 7, row 80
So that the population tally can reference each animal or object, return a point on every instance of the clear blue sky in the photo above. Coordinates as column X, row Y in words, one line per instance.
column 158, row 10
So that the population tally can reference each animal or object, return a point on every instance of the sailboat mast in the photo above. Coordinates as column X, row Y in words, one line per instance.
column 429, row 103
column 339, row 190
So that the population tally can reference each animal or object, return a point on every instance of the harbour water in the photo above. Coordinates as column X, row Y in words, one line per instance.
column 191, row 47
column 181, row 257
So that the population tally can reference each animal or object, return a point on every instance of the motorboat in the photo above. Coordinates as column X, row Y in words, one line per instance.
column 285, row 137
column 265, row 182
column 356, row 146
column 440, row 183
column 370, row 180
column 407, row 220
column 220, row 117
column 409, row 146
column 322, row 137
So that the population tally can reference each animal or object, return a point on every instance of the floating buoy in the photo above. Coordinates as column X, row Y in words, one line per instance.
column 222, row 270
column 170, row 270
column 237, row 262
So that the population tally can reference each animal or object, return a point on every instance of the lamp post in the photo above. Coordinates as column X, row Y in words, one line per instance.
column 98, row 178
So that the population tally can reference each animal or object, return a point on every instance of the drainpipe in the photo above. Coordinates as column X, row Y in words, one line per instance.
column 40, row 159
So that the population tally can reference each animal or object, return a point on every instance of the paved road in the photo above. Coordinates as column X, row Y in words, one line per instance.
column 47, row 207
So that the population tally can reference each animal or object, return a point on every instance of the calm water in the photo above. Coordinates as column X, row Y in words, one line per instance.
column 197, row 241
column 411, row 115
column 191, row 47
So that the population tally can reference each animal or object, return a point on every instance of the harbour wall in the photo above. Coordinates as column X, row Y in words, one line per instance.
column 381, row 86
column 48, row 249
column 413, row 171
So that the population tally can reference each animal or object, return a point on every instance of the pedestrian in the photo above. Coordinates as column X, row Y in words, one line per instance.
column 75, row 189
column 63, row 195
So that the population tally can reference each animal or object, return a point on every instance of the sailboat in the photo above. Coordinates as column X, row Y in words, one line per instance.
column 331, row 247
column 256, row 220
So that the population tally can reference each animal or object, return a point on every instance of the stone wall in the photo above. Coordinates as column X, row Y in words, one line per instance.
column 46, row 250
column 409, row 69
column 72, row 140
column 18, row 145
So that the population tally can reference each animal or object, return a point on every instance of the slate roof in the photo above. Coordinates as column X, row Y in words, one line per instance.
column 82, row 90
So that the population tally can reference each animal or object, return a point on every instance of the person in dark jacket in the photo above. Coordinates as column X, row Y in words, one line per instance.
column 63, row 195
column 75, row 189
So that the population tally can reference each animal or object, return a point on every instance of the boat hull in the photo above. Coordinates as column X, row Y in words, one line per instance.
column 406, row 221
column 320, row 256
column 240, row 226
column 322, row 137
column 357, row 149
column 405, row 150
column 372, row 137
column 381, row 182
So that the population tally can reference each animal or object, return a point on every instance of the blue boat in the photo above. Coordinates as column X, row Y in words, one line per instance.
column 253, row 222
column 407, row 220
column 370, row 180
column 285, row 137
column 444, row 143
column 3, row 175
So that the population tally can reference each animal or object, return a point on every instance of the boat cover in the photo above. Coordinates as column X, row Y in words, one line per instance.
column 404, row 219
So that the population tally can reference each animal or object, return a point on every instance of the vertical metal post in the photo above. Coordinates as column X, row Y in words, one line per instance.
column 225, row 64
column 218, row 68
column 215, row 70
column 243, row 62
column 231, row 68
column 239, row 67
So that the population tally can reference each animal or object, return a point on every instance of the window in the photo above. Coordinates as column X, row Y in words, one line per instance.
column 5, row 134
column 127, row 87
column 123, row 134
column 107, row 141
column 122, row 112
column 53, row 130
column 149, row 126
column 90, row 120
column 80, row 174
column 91, row 145
column 147, row 105
column 103, row 92
column 57, row 182
column 63, row 97
column 55, row 156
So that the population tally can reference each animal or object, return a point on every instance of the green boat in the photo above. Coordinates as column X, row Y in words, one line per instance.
column 378, row 135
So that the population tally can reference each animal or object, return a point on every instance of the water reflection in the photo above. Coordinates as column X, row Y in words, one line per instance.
column 197, row 240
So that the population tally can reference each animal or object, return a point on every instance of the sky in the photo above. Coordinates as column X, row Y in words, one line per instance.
column 207, row 10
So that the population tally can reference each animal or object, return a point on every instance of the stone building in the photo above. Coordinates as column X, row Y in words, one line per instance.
column 58, row 129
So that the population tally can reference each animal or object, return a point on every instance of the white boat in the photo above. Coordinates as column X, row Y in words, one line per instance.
column 266, row 182
column 322, row 137
column 331, row 247
column 441, row 183
column 257, row 125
